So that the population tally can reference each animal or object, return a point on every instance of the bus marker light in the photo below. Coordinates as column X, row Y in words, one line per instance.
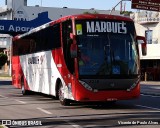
column 95, row 90
column 59, row 65
column 112, row 99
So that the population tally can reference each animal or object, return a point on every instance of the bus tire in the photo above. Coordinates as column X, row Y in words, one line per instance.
column 111, row 102
column 24, row 92
column 63, row 101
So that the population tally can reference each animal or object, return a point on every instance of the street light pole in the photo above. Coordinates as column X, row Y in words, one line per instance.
column 117, row 5
column 41, row 7
column 41, row 3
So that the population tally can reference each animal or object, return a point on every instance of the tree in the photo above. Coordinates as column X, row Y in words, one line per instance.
column 95, row 12
column 126, row 13
column 3, row 59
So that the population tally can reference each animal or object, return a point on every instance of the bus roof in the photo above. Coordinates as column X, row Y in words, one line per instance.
column 76, row 17
column 97, row 16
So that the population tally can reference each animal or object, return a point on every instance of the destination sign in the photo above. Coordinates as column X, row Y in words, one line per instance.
column 97, row 27
column 114, row 27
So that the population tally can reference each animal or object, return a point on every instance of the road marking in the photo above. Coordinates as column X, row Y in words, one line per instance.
column 45, row 111
column 3, row 96
column 150, row 95
column 22, row 102
column 155, row 87
column 148, row 107
column 73, row 124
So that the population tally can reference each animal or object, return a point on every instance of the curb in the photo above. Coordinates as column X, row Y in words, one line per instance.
column 6, row 78
column 150, row 82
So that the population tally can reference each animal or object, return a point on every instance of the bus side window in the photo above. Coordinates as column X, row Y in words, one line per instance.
column 43, row 40
column 21, row 47
column 54, row 40
column 14, row 48
column 32, row 47
column 48, row 39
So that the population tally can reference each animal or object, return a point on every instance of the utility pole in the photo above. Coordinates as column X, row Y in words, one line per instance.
column 121, row 6
column 41, row 3
column 117, row 5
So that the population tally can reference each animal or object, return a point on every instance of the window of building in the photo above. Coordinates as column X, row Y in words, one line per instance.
column 148, row 35
column 25, row 2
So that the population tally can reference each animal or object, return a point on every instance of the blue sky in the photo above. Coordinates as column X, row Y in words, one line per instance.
column 84, row 4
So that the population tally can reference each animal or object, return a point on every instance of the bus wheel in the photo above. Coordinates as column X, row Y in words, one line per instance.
column 111, row 102
column 62, row 100
column 24, row 92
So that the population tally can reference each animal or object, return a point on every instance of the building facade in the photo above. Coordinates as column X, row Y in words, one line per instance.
column 148, row 24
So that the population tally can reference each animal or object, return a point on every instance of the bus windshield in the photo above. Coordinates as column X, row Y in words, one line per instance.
column 109, row 54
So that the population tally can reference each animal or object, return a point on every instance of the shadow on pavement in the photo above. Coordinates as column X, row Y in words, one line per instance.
column 3, row 82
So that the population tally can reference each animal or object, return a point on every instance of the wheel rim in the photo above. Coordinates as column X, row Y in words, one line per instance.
column 61, row 93
column 22, row 87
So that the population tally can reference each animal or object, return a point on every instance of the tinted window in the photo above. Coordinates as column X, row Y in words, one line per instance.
column 45, row 39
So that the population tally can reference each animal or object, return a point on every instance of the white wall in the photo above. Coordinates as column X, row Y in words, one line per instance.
column 31, row 13
column 14, row 3
column 21, row 11
column 153, row 52
column 4, row 41
column 158, row 32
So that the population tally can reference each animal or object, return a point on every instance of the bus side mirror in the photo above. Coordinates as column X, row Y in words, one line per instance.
column 141, row 40
column 73, row 50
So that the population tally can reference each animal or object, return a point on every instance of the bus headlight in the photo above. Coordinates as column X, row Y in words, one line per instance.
column 133, row 85
column 86, row 85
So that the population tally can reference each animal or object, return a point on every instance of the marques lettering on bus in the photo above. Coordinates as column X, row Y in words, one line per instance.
column 100, row 26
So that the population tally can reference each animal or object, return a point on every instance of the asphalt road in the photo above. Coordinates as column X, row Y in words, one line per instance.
column 39, row 110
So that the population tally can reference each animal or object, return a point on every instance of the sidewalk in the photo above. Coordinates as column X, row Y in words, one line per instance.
column 4, row 75
column 150, row 88
column 150, row 83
